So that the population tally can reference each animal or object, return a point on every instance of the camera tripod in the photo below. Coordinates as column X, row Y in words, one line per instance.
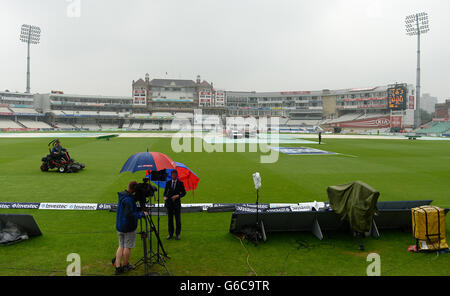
column 259, row 226
column 150, row 257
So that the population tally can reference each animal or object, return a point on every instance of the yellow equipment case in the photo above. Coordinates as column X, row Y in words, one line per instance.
column 428, row 226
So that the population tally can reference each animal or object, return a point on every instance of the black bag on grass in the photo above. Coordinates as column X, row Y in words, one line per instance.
column 10, row 233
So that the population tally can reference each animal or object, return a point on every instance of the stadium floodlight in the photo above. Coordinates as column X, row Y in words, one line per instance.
column 417, row 24
column 30, row 35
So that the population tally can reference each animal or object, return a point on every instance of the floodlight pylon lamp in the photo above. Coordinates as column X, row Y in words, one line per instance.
column 415, row 25
column 29, row 35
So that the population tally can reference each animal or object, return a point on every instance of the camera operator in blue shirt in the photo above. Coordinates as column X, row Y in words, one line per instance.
column 126, row 224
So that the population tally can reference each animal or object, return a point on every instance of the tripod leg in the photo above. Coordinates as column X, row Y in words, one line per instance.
column 152, row 225
column 145, row 259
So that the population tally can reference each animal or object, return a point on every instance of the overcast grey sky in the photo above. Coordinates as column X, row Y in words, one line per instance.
column 262, row 45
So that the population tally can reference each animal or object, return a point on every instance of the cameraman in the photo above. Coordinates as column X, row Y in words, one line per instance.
column 126, row 224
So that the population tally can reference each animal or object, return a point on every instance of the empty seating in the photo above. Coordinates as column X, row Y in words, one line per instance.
column 29, row 123
column 6, row 123
column 63, row 125
column 90, row 126
column 109, row 125
column 4, row 110
column 58, row 112
column 87, row 113
column 167, row 126
column 436, row 128
column 140, row 115
column 297, row 122
column 135, row 125
column 283, row 120
column 107, row 113
column 24, row 111
column 347, row 117
column 123, row 114
column 162, row 115
column 181, row 115
column 371, row 115
column 150, row 126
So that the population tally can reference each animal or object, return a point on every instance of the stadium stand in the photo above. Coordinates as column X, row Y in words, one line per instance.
column 24, row 111
column 150, row 126
column 135, row 125
column 106, row 113
column 166, row 126
column 109, row 125
column 123, row 114
column 140, row 115
column 59, row 112
column 211, row 120
column 29, row 123
column 283, row 120
column 90, row 125
column 64, row 125
column 371, row 115
column 436, row 128
column 7, row 123
column 347, row 117
column 181, row 115
column 162, row 115
column 297, row 122
column 87, row 113
column 4, row 110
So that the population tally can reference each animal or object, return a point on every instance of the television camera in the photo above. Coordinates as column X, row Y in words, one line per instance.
column 142, row 191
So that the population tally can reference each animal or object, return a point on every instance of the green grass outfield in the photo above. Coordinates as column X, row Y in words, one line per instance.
column 400, row 170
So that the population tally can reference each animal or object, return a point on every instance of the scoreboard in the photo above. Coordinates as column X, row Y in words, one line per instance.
column 397, row 97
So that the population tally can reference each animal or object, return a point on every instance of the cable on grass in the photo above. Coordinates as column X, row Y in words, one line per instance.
column 248, row 254
column 303, row 245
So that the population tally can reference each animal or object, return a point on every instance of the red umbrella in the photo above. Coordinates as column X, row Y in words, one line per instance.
column 188, row 177
column 185, row 175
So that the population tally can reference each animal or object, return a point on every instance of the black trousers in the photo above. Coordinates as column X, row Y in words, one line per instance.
column 174, row 209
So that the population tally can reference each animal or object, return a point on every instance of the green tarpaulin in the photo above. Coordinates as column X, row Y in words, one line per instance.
column 355, row 202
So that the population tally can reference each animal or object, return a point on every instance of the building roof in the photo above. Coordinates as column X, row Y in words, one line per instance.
column 15, row 93
column 95, row 97
column 139, row 82
column 205, row 84
column 274, row 94
column 172, row 83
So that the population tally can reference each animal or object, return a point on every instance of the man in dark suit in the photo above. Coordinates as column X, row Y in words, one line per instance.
column 172, row 194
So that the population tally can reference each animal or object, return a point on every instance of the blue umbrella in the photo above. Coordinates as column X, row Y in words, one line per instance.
column 148, row 161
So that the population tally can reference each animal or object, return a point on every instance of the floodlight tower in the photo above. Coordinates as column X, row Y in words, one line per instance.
column 30, row 35
column 417, row 24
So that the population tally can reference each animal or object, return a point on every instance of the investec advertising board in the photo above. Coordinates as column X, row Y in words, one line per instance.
column 111, row 206
column 68, row 206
